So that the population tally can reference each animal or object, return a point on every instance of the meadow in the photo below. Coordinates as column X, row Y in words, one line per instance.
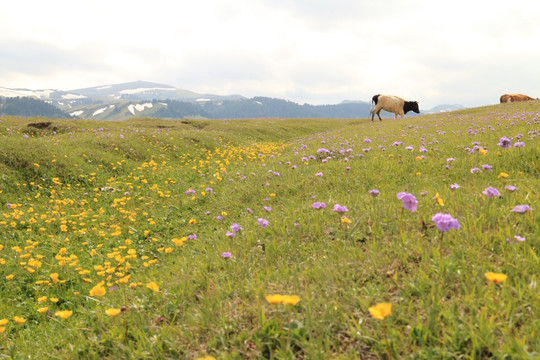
column 272, row 239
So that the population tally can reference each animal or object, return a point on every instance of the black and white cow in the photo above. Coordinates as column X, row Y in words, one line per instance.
column 393, row 104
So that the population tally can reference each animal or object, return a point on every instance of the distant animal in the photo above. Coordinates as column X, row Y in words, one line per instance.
column 393, row 104
column 508, row 98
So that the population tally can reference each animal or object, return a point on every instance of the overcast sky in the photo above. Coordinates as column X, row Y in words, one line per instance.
column 309, row 51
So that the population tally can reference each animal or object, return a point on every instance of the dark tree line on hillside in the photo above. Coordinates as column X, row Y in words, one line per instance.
column 259, row 107
column 29, row 107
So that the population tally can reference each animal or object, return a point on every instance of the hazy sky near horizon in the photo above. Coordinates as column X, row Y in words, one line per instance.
column 308, row 51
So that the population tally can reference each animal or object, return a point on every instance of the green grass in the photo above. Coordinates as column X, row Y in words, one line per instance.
column 106, row 202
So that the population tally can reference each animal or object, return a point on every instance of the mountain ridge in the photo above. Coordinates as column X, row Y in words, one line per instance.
column 148, row 99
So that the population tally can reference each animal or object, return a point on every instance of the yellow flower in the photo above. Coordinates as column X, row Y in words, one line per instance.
column 2, row 329
column 3, row 322
column 381, row 310
column 43, row 309
column 54, row 300
column 192, row 221
column 42, row 299
column 98, row 290
column 438, row 200
column 64, row 314
column 152, row 286
column 206, row 358
column 274, row 299
column 19, row 320
column 482, row 151
column 113, row 312
column 10, row 277
column 291, row 300
column 418, row 173
column 345, row 220
column 54, row 277
column 502, row 175
column 495, row 277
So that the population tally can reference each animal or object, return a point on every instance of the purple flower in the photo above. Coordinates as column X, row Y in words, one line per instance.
column 190, row 191
column 454, row 186
column 367, row 140
column 219, row 217
column 226, row 255
column 487, row 167
column 318, row 205
column 519, row 144
column 320, row 174
column 491, row 192
column 192, row 237
column 519, row 238
column 236, row 228
column 374, row 192
column 323, row 151
column 276, row 173
column 449, row 160
column 267, row 208
column 505, row 142
column 262, row 222
column 475, row 170
column 521, row 208
column 409, row 201
column 230, row 234
column 510, row 188
column 445, row 222
column 249, row 210
column 340, row 209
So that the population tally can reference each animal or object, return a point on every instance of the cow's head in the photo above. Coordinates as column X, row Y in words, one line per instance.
column 411, row 106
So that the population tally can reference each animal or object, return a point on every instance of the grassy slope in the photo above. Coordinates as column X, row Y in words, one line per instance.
column 121, row 186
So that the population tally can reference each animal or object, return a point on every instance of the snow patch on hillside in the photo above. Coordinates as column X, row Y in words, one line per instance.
column 140, row 90
column 76, row 113
column 72, row 96
column 138, row 107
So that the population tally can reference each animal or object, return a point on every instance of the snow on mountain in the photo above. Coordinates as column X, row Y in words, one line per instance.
column 41, row 94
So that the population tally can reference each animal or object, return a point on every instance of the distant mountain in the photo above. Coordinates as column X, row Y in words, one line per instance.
column 444, row 108
column 147, row 99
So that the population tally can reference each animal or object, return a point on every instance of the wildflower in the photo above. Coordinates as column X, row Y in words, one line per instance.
column 409, row 201
column 487, row 167
column 445, row 222
column 63, row 314
column 438, row 199
column 4, row 322
column 230, row 234
column 274, row 299
column 19, row 320
column 345, row 220
column 43, row 309
column 152, row 286
column 262, row 222
column 481, row 151
column 291, row 300
column 192, row 221
column 226, row 255
column 491, row 192
column 10, row 277
column 502, row 175
column 318, row 205
column 381, row 310
column 519, row 238
column 510, row 188
column 113, row 312
column 340, row 209
column 521, row 208
column 495, row 277
column 519, row 144
column 42, row 299
column 505, row 142
column 475, row 170
column 236, row 228
column 98, row 290
column 454, row 186
column 319, row 174
column 374, row 192
column 267, row 208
